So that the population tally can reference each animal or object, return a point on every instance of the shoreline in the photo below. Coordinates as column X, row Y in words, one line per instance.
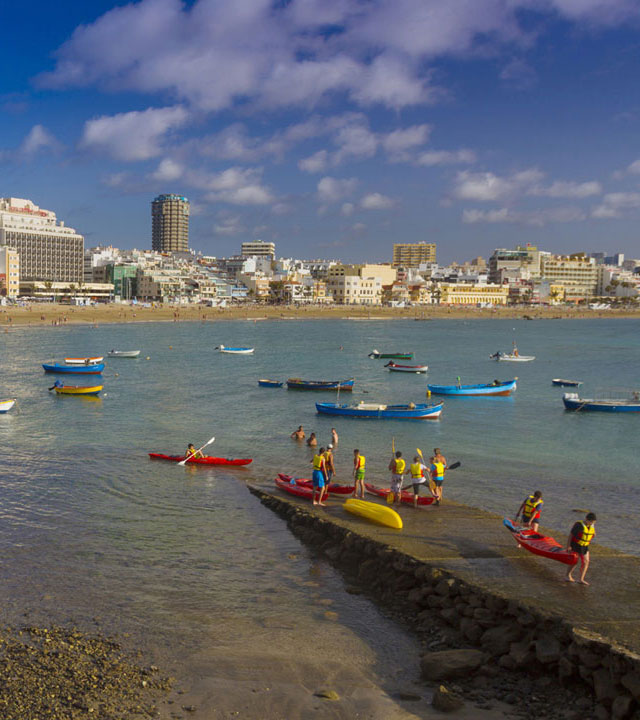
column 55, row 315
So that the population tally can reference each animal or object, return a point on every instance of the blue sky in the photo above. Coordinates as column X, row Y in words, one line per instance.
column 332, row 127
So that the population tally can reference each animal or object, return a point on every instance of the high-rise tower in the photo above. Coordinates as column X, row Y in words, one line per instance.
column 170, row 223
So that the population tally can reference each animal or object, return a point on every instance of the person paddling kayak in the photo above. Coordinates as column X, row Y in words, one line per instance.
column 192, row 453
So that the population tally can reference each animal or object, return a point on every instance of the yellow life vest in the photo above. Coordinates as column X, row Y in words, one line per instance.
column 586, row 536
column 439, row 468
column 361, row 462
column 318, row 461
column 400, row 466
column 416, row 470
column 531, row 504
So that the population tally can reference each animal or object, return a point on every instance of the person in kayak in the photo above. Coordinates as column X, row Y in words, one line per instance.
column 313, row 440
column 192, row 453
column 530, row 510
column 298, row 434
column 438, row 469
column 358, row 474
column 319, row 476
column 418, row 477
column 397, row 467
column 580, row 537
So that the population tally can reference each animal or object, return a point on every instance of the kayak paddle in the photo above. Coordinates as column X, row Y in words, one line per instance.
column 182, row 462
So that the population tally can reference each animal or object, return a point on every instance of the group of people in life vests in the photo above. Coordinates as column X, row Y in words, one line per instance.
column 580, row 536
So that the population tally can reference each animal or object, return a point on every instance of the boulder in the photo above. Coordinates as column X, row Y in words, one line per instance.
column 471, row 630
column 326, row 694
column 604, row 686
column 445, row 701
column 497, row 640
column 547, row 649
column 444, row 587
column 566, row 668
column 450, row 615
column 521, row 653
column 632, row 682
column 484, row 617
column 450, row 664
column 622, row 707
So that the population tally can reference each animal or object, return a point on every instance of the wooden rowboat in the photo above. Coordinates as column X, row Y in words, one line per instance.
column 573, row 402
column 123, row 353
column 382, row 412
column 78, row 389
column 377, row 355
column 95, row 369
column 83, row 360
column 236, row 350
column 394, row 367
column 298, row 384
column 6, row 405
column 566, row 383
column 495, row 388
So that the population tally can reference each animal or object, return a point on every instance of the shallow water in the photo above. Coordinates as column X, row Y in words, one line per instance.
column 190, row 563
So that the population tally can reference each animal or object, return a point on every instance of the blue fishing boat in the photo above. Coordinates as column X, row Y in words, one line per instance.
column 497, row 387
column 382, row 412
column 95, row 369
column 573, row 402
column 298, row 384
column 235, row 350
column 270, row 383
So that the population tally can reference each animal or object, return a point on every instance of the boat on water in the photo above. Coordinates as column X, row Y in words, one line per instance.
column 270, row 383
column 377, row 355
column 6, row 405
column 376, row 513
column 236, row 350
column 394, row 367
column 511, row 357
column 566, row 383
column 201, row 461
column 298, row 384
column 573, row 402
column 406, row 496
column 123, row 353
column 497, row 387
column 377, row 411
column 539, row 544
column 77, row 389
column 95, row 369
column 334, row 488
column 83, row 360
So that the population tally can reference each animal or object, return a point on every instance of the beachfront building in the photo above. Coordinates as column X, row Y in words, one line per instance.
column 413, row 254
column 9, row 272
column 80, row 293
column 47, row 250
column 526, row 258
column 386, row 273
column 354, row 290
column 258, row 248
column 471, row 294
column 578, row 274
column 170, row 223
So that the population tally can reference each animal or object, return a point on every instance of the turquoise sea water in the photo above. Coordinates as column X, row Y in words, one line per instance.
column 90, row 526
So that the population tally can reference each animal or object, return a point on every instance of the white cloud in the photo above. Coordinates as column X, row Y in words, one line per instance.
column 398, row 142
column 393, row 82
column 314, row 163
column 563, row 189
column 168, row 170
column 488, row 187
column 634, row 168
column 331, row 190
column 376, row 201
column 614, row 205
column 537, row 218
column 134, row 135
column 519, row 74
column 359, row 228
column 237, row 186
column 347, row 209
column 446, row 157
column 38, row 139
column 228, row 224
column 355, row 140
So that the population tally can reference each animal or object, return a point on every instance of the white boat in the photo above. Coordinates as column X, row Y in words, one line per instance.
column 6, row 405
column 124, row 353
column 236, row 350
column 506, row 357
column 83, row 360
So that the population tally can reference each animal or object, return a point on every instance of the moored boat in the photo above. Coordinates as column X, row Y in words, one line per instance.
column 405, row 495
column 539, row 544
column 573, row 402
column 78, row 389
column 497, row 387
column 566, row 383
column 95, row 369
column 201, row 461
column 83, row 360
column 379, row 514
column 298, row 384
column 377, row 355
column 377, row 411
column 6, row 405
column 334, row 488
column 511, row 357
column 123, row 353
column 394, row 367
column 236, row 350
column 270, row 383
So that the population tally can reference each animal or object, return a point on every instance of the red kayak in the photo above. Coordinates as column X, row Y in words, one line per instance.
column 405, row 495
column 201, row 461
column 540, row 544
column 333, row 487
column 294, row 489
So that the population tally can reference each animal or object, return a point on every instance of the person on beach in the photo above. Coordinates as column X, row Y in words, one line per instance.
column 192, row 453
column 530, row 510
column 580, row 537
column 358, row 474
column 298, row 434
column 397, row 467
column 418, row 477
column 334, row 437
column 319, row 476
column 330, row 469
column 438, row 468
column 313, row 440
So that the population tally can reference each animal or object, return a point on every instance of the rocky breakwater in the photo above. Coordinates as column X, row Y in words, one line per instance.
column 485, row 644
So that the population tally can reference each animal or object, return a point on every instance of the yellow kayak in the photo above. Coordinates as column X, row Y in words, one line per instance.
column 380, row 514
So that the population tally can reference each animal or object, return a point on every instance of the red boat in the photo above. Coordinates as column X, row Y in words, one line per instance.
column 405, row 495
column 294, row 489
column 201, row 461
column 333, row 487
column 540, row 544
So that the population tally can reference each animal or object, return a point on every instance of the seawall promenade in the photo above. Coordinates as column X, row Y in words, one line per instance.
column 459, row 567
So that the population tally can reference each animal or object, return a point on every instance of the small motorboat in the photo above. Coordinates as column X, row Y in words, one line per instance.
column 83, row 360
column 394, row 367
column 566, row 383
column 382, row 412
column 123, row 353
column 201, row 461
column 497, row 387
column 573, row 402
column 298, row 384
column 6, row 405
column 93, row 369
column 511, row 357
column 270, row 383
column 77, row 389
column 377, row 355
column 235, row 350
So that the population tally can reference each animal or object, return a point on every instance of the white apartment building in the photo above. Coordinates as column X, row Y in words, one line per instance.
column 472, row 294
column 386, row 273
column 354, row 290
column 259, row 247
column 9, row 272
column 578, row 274
column 48, row 250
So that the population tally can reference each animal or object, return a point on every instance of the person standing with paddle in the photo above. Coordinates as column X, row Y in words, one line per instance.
column 397, row 467
column 417, row 470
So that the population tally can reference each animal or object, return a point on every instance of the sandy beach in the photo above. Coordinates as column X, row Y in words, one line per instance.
column 53, row 314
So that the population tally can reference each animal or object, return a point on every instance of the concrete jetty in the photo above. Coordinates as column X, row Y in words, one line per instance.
column 460, row 565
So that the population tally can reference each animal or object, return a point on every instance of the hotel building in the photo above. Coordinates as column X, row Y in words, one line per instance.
column 258, row 248
column 170, row 223
column 413, row 254
column 9, row 272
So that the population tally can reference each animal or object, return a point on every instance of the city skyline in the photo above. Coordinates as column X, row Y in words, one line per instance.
column 334, row 129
